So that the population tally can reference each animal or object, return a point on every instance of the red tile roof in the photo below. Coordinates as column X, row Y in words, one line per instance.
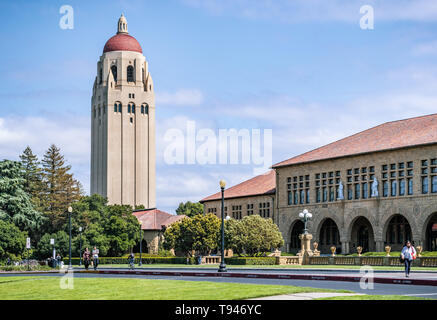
column 387, row 136
column 154, row 219
column 259, row 185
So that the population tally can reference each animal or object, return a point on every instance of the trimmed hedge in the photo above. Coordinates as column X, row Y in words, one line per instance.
column 251, row 261
column 146, row 260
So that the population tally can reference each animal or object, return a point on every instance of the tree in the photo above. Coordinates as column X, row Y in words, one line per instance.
column 254, row 234
column 44, row 249
column 12, row 241
column 61, row 189
column 15, row 204
column 193, row 234
column 190, row 209
column 33, row 176
column 113, row 229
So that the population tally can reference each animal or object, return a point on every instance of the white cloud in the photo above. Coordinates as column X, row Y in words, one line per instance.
column 427, row 48
column 292, row 11
column 182, row 97
column 71, row 134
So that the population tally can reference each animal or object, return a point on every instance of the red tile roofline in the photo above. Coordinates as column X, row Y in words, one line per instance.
column 281, row 165
column 276, row 166
column 270, row 192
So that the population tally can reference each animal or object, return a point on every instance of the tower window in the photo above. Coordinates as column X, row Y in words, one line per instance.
column 119, row 107
column 128, row 108
column 100, row 76
column 146, row 109
column 133, row 108
column 114, row 72
column 115, row 107
column 130, row 74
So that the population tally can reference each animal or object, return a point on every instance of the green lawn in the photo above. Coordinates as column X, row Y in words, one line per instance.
column 48, row 288
column 264, row 267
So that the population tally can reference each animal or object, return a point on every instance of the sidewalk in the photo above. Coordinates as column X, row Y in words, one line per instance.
column 308, row 296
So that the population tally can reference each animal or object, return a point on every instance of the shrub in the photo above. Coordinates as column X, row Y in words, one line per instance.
column 251, row 261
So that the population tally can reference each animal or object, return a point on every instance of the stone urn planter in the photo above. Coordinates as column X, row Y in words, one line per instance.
column 333, row 250
column 316, row 252
column 359, row 250
column 419, row 251
column 387, row 251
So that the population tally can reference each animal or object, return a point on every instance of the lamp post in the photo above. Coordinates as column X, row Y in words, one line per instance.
column 80, row 246
column 70, row 210
column 222, row 267
column 305, row 216
column 141, row 243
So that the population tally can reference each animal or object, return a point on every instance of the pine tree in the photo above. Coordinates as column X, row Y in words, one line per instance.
column 61, row 189
column 33, row 175
column 15, row 204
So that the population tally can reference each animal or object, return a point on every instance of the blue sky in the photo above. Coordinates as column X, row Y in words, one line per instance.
column 303, row 68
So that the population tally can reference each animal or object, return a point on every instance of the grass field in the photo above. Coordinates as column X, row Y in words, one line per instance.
column 48, row 288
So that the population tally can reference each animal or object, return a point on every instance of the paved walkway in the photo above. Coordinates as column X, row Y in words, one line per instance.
column 308, row 296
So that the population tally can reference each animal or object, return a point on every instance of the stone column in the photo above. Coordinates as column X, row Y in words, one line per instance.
column 306, row 251
column 380, row 246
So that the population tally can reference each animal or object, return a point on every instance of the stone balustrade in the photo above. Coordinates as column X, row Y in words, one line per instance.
column 211, row 260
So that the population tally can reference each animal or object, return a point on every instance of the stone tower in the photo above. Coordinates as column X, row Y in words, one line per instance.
column 123, row 124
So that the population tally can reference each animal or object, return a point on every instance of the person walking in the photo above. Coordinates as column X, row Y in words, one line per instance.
column 86, row 258
column 408, row 254
column 95, row 257
column 131, row 261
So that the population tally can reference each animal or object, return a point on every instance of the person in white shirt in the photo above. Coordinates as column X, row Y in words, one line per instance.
column 408, row 254
column 95, row 258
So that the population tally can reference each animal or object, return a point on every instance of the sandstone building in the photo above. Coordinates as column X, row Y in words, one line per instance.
column 254, row 196
column 372, row 189
column 123, row 124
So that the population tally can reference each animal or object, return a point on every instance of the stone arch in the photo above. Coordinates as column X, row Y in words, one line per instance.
column 397, row 229
column 294, row 243
column 361, row 233
column 430, row 232
column 328, row 235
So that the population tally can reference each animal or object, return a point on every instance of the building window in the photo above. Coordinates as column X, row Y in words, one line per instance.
column 307, row 196
column 393, row 188
column 325, row 194
column 114, row 72
column 349, row 192
column 133, row 108
column 100, row 76
column 425, row 185
column 434, row 184
column 317, row 195
column 385, row 188
column 300, row 190
column 250, row 209
column 115, row 107
column 236, row 212
column 128, row 108
column 130, row 74
column 365, row 193
column 357, row 190
column 402, row 187
column 410, row 186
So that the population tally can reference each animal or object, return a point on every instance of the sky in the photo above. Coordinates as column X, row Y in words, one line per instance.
column 303, row 68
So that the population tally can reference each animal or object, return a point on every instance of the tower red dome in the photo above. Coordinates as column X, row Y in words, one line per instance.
column 122, row 42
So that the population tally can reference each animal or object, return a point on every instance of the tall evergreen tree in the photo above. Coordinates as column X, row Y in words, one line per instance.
column 33, row 175
column 15, row 204
column 61, row 189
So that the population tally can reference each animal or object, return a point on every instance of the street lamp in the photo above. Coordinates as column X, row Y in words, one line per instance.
column 222, row 267
column 305, row 216
column 141, row 242
column 70, row 210
column 80, row 246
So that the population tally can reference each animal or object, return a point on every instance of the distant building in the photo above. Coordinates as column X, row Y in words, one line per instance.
column 254, row 196
column 153, row 223
column 123, row 124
